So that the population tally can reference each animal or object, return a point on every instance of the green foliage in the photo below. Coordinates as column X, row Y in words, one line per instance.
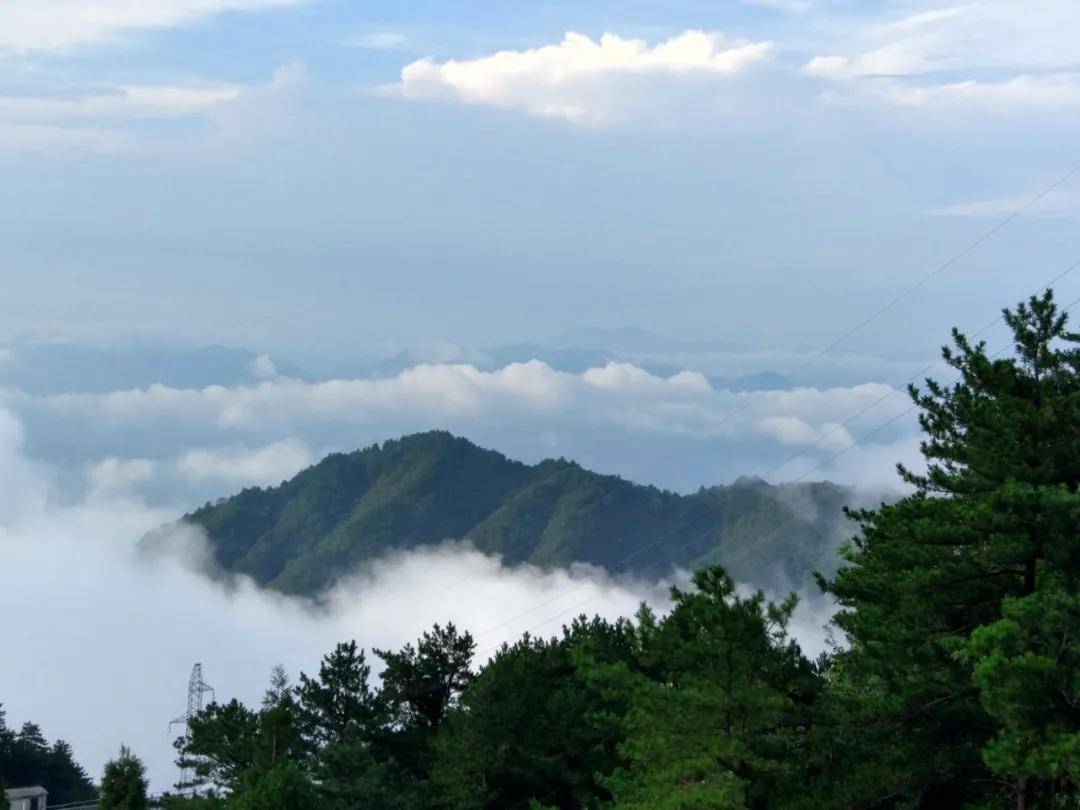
column 123, row 785
column 942, row 601
column 532, row 727
column 423, row 489
column 1027, row 670
column 958, row 685
column 718, row 708
column 26, row 759
column 283, row 787
column 219, row 746
column 420, row 685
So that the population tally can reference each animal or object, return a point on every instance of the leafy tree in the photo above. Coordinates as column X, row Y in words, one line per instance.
column 916, row 713
column 123, row 785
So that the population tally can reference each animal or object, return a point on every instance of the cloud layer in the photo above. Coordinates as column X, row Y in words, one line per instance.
column 104, row 653
column 677, row 431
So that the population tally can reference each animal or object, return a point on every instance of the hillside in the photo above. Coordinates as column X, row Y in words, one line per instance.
column 349, row 508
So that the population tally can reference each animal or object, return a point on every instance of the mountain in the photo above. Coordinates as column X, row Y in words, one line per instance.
column 55, row 368
column 349, row 508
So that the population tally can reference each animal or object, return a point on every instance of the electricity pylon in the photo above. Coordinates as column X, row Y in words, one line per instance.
column 197, row 687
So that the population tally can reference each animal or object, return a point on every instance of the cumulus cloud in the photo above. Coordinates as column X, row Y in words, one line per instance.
column 578, row 79
column 30, row 25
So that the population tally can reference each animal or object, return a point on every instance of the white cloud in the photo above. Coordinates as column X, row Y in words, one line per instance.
column 238, row 467
column 783, row 5
column 55, row 25
column 263, row 367
column 379, row 40
column 1061, row 203
column 996, row 55
column 124, row 101
column 117, row 476
column 682, row 403
column 617, row 418
column 574, row 79
column 1053, row 93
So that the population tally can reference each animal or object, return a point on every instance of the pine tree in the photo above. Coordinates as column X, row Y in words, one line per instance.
column 420, row 685
column 123, row 785
column 719, row 707
column 942, row 591
column 219, row 746
column 338, row 706
column 533, row 726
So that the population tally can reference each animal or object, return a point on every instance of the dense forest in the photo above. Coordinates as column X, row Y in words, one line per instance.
column 955, row 682
column 426, row 488
column 27, row 758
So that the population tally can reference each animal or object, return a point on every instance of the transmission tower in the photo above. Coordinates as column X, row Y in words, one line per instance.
column 197, row 687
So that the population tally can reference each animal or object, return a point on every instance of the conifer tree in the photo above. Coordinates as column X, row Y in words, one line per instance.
column 124, row 784
column 954, row 598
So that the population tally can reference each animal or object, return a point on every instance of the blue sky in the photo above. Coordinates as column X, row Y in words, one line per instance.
column 263, row 176
column 323, row 180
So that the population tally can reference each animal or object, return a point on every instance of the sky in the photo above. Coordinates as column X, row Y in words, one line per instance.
column 680, row 242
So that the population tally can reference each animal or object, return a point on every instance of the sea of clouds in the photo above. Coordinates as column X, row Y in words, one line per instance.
column 99, row 640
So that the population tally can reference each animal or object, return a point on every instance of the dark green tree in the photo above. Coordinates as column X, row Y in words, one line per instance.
column 68, row 782
column 284, row 787
column 219, row 746
column 338, row 706
column 720, row 707
column 420, row 685
column 280, row 726
column 532, row 727
column 934, row 600
column 124, row 784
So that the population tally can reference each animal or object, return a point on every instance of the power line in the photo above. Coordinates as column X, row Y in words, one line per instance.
column 936, row 271
column 894, row 389
column 775, row 532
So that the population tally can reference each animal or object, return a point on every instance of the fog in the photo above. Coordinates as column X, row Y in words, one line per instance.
column 99, row 640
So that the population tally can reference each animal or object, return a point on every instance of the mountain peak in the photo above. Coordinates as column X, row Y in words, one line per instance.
column 425, row 488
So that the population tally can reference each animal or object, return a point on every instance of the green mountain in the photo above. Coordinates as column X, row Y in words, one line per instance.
column 349, row 508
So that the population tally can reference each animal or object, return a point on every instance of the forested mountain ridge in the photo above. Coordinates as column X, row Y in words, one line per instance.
column 301, row 536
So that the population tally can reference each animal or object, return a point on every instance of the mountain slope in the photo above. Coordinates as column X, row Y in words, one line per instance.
column 349, row 508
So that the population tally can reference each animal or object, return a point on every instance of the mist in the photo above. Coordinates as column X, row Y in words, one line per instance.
column 100, row 639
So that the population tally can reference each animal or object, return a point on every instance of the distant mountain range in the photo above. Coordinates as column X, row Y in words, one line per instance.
column 350, row 508
column 54, row 368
